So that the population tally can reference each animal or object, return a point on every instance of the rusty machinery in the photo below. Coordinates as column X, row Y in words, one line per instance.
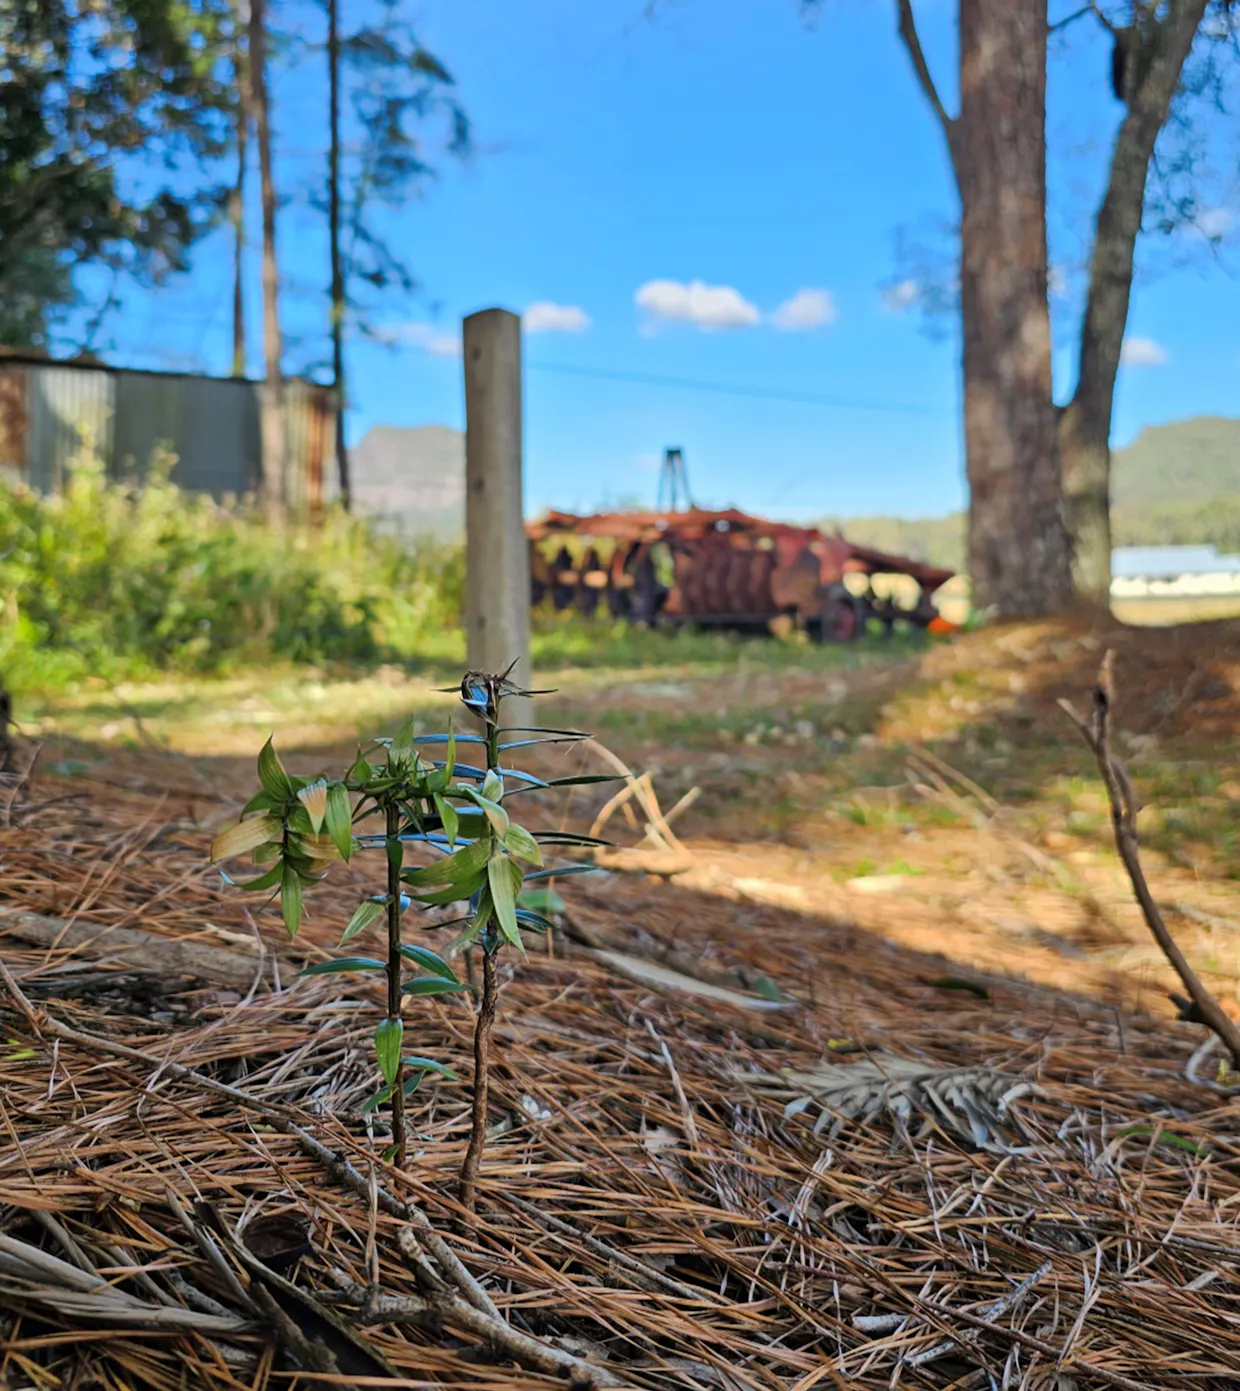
column 686, row 564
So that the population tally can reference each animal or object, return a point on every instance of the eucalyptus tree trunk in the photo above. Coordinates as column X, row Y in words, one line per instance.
column 1019, row 557
column 1151, row 61
column 273, row 486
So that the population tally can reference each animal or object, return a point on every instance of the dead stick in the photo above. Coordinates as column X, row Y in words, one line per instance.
column 530, row 1353
column 643, row 791
column 148, row 951
column 1071, row 1363
column 1097, row 734
column 613, row 804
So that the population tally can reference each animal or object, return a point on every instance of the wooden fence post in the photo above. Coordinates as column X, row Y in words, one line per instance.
column 497, row 560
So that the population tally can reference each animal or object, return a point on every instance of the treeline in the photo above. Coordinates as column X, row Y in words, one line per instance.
column 941, row 540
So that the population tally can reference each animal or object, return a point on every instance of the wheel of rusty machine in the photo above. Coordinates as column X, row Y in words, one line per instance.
column 840, row 619
column 646, row 595
column 540, row 577
column 619, row 587
column 562, row 593
column 589, row 594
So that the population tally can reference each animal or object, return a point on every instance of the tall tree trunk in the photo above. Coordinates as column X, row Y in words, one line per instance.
column 273, row 385
column 333, row 217
column 1019, row 559
column 1018, row 546
column 1085, row 423
column 236, row 201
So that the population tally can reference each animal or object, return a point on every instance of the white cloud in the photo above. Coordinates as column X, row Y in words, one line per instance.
column 708, row 306
column 1215, row 223
column 429, row 338
column 1142, row 352
column 1057, row 282
column 901, row 297
column 647, row 463
column 806, row 309
column 545, row 317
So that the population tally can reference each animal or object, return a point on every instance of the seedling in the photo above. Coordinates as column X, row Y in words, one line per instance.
column 454, row 810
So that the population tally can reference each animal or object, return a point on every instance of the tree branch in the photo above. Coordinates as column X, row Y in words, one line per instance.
column 530, row 1353
column 1205, row 1009
column 1067, row 20
column 908, row 33
column 1096, row 10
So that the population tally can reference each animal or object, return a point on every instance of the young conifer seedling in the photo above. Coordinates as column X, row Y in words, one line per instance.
column 453, row 810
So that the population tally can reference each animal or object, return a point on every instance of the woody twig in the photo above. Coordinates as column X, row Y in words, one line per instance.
column 1201, row 1007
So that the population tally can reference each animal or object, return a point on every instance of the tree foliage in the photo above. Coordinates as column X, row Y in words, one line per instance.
column 393, row 87
column 1178, row 195
column 84, row 87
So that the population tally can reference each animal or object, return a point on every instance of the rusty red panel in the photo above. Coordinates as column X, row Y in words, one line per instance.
column 320, row 413
column 14, row 419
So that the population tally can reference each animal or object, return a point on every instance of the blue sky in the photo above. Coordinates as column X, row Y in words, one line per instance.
column 712, row 194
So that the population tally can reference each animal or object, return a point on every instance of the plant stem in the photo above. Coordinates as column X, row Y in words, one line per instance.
column 493, row 732
column 486, row 1010
column 482, row 1050
column 392, row 813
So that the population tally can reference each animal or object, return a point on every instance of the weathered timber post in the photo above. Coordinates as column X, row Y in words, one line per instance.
column 497, row 560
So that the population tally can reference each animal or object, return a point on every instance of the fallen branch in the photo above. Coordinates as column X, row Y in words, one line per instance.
column 1199, row 915
column 1124, row 807
column 640, row 788
column 152, row 954
column 1070, row 1363
column 995, row 1311
column 530, row 1353
column 666, row 864
column 663, row 978
column 44, row 1279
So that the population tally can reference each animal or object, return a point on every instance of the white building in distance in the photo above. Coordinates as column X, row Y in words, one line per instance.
column 1173, row 572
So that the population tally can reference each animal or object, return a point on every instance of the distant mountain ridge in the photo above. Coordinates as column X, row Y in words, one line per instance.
column 411, row 481
column 1175, row 484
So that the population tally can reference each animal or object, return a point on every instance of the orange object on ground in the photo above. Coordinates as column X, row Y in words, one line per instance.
column 940, row 627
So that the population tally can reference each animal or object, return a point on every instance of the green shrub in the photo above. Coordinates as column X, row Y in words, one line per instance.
column 113, row 581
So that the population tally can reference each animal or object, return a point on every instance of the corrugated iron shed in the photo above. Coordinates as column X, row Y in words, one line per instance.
column 51, row 411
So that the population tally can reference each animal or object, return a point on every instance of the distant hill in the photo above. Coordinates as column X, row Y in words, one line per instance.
column 411, row 481
column 935, row 540
column 1186, row 461
column 1179, row 484
column 1174, row 485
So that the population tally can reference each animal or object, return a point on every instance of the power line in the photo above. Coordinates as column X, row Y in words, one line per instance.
column 805, row 398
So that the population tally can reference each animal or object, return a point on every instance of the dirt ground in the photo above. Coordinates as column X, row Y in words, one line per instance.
column 911, row 851
column 939, row 799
